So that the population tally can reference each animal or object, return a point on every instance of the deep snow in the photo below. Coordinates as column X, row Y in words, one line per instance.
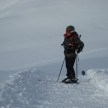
column 37, row 89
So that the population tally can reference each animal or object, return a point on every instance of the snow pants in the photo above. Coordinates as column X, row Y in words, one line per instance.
column 70, row 66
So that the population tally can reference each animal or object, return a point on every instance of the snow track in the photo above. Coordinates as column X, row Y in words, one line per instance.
column 36, row 89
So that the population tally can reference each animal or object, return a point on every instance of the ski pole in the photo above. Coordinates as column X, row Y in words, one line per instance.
column 60, row 70
column 77, row 59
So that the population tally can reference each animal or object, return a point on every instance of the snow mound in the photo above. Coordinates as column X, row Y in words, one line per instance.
column 36, row 89
column 99, row 77
column 24, row 90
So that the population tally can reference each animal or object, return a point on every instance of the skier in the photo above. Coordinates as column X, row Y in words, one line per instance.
column 72, row 45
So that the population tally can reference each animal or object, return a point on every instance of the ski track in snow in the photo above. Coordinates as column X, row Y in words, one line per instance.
column 36, row 89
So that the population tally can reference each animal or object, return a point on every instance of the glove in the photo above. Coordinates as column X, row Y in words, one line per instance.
column 79, row 50
column 62, row 44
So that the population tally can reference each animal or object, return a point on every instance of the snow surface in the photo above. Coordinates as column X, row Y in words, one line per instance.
column 37, row 89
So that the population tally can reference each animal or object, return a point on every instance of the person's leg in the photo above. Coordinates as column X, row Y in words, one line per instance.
column 70, row 67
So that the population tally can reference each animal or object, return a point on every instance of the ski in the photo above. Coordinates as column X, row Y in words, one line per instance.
column 69, row 81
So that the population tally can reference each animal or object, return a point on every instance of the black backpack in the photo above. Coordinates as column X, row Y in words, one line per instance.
column 80, row 45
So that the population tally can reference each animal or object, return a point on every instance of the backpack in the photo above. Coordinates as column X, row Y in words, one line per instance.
column 80, row 46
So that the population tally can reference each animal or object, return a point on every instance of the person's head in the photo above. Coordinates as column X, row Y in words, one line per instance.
column 69, row 29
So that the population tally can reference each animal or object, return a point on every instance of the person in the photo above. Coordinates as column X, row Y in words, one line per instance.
column 72, row 45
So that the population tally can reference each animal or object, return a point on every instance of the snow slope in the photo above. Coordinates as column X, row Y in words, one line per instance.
column 37, row 89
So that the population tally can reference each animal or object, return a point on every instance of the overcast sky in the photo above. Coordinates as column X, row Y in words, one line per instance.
column 31, row 31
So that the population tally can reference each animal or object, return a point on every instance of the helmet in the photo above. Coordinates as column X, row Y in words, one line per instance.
column 70, row 28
